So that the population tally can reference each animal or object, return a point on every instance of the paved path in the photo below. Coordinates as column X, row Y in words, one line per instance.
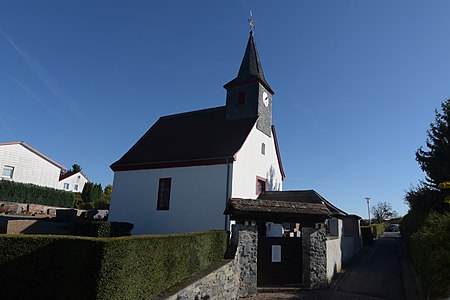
column 376, row 273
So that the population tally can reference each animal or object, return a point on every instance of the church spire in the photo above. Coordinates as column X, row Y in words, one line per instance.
column 250, row 69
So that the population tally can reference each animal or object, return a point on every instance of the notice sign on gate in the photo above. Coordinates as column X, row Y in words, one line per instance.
column 276, row 253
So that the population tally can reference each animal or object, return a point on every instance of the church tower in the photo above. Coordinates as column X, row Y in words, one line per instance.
column 249, row 94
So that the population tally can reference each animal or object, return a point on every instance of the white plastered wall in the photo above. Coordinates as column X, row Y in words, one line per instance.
column 197, row 199
column 28, row 166
column 250, row 163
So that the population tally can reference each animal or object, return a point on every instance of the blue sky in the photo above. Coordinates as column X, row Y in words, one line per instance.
column 356, row 82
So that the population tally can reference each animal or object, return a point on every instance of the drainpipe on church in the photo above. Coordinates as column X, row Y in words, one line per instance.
column 227, row 217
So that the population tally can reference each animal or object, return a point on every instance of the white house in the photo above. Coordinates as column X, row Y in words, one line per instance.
column 180, row 175
column 72, row 181
column 21, row 163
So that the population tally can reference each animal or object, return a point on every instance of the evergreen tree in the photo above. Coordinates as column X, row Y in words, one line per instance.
column 92, row 192
column 435, row 161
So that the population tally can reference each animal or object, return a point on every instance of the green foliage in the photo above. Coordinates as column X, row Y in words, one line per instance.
column 367, row 236
column 31, row 267
column 29, row 193
column 411, row 223
column 75, row 168
column 430, row 249
column 435, row 161
column 423, row 199
column 92, row 192
column 376, row 230
column 102, row 204
column 101, row 228
column 134, row 267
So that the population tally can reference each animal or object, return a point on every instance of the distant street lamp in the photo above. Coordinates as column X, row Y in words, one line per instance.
column 368, row 205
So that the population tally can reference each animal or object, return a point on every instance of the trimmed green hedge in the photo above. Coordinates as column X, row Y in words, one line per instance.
column 101, row 228
column 377, row 230
column 29, row 193
column 430, row 251
column 136, row 267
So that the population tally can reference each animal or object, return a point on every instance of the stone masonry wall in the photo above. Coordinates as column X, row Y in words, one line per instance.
column 314, row 257
column 235, row 279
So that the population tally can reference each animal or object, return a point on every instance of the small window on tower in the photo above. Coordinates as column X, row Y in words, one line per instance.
column 263, row 149
column 241, row 98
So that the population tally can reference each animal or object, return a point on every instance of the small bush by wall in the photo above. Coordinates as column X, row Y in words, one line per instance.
column 135, row 267
column 29, row 193
column 430, row 251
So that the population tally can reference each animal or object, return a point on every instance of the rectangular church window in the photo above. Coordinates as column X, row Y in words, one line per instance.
column 164, row 193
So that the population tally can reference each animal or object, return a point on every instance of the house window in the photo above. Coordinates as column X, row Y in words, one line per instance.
column 260, row 185
column 263, row 149
column 8, row 171
column 75, row 188
column 66, row 186
column 164, row 193
column 241, row 98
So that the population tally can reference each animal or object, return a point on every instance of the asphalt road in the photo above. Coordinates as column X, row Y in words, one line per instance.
column 375, row 273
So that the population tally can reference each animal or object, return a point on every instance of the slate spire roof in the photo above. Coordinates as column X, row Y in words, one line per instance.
column 250, row 69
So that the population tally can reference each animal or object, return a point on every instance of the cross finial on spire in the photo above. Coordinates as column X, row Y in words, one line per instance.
column 250, row 22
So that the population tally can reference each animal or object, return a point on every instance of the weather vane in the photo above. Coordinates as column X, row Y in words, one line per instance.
column 250, row 22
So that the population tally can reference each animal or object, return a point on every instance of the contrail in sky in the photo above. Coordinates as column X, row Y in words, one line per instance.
column 40, row 72
column 13, row 137
column 36, row 97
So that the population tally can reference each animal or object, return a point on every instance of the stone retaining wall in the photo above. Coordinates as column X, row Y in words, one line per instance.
column 235, row 279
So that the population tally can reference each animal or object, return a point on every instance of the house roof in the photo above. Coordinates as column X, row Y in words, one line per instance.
column 69, row 174
column 276, row 210
column 25, row 145
column 202, row 137
column 251, row 68
column 304, row 196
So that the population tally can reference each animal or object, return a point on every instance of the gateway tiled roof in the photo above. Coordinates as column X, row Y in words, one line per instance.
column 203, row 136
column 236, row 205
column 304, row 196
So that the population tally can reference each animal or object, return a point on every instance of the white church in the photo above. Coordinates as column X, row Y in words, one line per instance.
column 179, row 176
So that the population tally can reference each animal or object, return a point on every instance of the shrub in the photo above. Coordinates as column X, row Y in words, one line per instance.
column 101, row 228
column 377, row 230
column 29, row 193
column 133, row 267
column 431, row 256
column 367, row 237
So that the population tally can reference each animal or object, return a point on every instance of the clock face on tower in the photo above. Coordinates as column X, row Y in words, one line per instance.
column 265, row 99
